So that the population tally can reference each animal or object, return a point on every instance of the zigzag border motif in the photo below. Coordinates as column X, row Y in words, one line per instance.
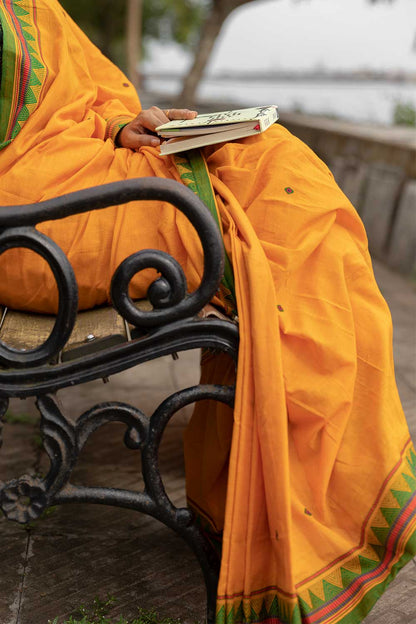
column 347, row 592
column 390, row 529
column 29, row 71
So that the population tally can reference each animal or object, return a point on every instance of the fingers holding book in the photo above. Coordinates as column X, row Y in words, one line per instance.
column 180, row 113
column 141, row 131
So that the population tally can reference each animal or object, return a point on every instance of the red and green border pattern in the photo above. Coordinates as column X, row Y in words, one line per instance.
column 114, row 125
column 348, row 588
column 23, row 69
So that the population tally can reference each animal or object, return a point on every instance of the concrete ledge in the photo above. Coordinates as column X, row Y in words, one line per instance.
column 402, row 137
column 383, row 188
column 402, row 248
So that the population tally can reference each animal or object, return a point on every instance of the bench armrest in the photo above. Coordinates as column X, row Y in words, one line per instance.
column 168, row 294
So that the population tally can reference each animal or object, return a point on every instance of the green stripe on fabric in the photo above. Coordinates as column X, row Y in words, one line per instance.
column 7, row 81
column 23, row 72
column 370, row 598
column 205, row 192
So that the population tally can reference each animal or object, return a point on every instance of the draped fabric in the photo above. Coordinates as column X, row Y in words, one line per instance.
column 309, row 484
column 1, row 49
column 23, row 69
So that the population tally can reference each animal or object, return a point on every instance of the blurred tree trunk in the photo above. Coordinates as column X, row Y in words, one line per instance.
column 211, row 28
column 134, row 39
column 108, row 28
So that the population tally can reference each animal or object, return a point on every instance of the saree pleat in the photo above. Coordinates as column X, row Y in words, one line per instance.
column 308, row 485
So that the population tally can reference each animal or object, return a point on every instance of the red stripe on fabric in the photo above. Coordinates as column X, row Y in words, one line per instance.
column 35, row 24
column 345, row 596
column 263, row 590
column 403, row 519
column 26, row 62
column 365, row 523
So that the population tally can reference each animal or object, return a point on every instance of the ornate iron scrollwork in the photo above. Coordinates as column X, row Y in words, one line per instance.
column 169, row 327
column 165, row 292
column 68, row 296
column 25, row 499
column 168, row 293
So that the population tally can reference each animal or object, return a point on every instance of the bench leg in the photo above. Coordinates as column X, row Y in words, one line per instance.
column 24, row 499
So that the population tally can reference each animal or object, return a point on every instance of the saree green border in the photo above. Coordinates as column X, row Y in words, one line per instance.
column 193, row 172
column 23, row 69
column 1, row 48
column 361, row 578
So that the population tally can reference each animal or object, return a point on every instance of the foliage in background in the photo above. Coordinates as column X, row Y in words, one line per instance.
column 104, row 21
column 192, row 23
column 174, row 20
column 405, row 114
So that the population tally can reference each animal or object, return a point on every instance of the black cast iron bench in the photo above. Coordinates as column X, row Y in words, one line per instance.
column 40, row 355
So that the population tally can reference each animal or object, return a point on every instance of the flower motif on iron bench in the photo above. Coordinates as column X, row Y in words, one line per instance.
column 23, row 500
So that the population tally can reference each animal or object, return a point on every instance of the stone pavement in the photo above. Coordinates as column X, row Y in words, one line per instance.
column 79, row 552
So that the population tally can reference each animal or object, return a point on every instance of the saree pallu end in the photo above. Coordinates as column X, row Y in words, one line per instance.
column 347, row 590
column 317, row 417
column 261, row 581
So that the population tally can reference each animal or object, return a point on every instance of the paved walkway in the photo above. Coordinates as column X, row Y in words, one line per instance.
column 79, row 552
column 398, row 604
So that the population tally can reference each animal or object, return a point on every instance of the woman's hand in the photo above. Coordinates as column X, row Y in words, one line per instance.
column 141, row 131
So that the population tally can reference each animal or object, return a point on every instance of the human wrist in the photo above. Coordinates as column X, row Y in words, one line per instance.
column 114, row 127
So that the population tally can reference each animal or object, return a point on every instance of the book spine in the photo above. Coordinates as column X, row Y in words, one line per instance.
column 266, row 122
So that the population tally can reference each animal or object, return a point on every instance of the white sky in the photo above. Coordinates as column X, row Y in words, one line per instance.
column 290, row 34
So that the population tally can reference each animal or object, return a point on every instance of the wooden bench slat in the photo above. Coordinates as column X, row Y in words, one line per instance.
column 25, row 330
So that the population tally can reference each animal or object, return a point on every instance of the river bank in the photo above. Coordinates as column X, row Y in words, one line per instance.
column 367, row 100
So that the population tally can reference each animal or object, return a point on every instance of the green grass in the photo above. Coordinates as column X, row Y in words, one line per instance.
column 99, row 613
column 29, row 526
column 21, row 419
column 24, row 419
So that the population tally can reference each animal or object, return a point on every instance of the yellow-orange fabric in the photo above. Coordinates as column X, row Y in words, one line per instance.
column 312, row 477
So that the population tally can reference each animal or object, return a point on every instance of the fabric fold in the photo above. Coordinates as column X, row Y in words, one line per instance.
column 309, row 484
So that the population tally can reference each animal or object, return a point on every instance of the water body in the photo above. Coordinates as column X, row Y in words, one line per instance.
column 368, row 101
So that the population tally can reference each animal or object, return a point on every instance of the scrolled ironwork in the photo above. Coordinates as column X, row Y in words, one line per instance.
column 158, row 421
column 64, row 440
column 171, row 326
column 59, row 441
column 169, row 295
column 165, row 292
column 30, row 238
column 24, row 499
column 114, row 411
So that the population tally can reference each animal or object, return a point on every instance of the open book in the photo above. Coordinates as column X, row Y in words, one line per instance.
column 210, row 128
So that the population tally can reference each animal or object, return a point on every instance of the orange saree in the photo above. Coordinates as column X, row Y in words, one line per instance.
column 310, row 482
